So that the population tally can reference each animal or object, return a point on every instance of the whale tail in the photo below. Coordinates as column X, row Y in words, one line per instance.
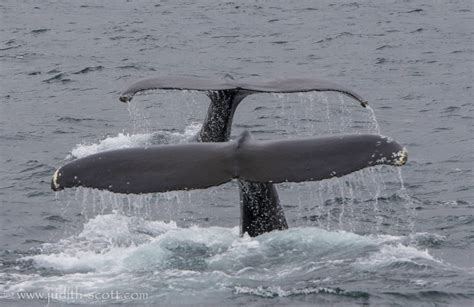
column 294, row 85
column 227, row 94
column 202, row 165
column 261, row 210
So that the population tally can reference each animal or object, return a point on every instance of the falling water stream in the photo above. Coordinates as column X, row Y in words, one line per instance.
column 334, row 204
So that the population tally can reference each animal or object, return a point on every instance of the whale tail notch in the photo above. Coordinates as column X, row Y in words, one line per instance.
column 202, row 165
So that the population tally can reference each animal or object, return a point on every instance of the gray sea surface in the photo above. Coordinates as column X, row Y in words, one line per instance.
column 382, row 237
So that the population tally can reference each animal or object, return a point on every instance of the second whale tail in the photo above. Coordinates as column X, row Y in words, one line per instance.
column 202, row 165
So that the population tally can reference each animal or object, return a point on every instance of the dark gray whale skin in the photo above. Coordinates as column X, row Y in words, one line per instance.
column 291, row 85
column 261, row 210
column 197, row 165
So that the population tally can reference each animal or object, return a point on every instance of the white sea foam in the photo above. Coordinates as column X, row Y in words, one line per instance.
column 113, row 249
column 393, row 254
column 275, row 291
column 116, row 142
column 125, row 140
column 113, row 241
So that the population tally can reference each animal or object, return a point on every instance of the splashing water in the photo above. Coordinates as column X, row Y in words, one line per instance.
column 125, row 140
column 339, row 203
column 164, row 243
column 374, row 125
column 163, row 260
column 139, row 121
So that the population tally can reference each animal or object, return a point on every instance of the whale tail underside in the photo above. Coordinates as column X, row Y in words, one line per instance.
column 202, row 165
column 289, row 85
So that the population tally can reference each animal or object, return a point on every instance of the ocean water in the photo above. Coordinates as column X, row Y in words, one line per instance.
column 381, row 237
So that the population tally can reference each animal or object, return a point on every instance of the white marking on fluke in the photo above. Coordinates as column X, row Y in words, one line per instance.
column 401, row 157
column 55, row 179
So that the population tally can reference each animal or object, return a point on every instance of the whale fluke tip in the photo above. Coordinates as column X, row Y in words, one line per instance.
column 125, row 98
column 401, row 157
column 54, row 181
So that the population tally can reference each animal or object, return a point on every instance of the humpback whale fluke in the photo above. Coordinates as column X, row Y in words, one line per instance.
column 296, row 85
column 256, row 165
column 202, row 165
column 261, row 210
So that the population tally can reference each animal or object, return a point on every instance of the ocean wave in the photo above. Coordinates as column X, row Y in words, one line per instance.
column 113, row 249
column 118, row 242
